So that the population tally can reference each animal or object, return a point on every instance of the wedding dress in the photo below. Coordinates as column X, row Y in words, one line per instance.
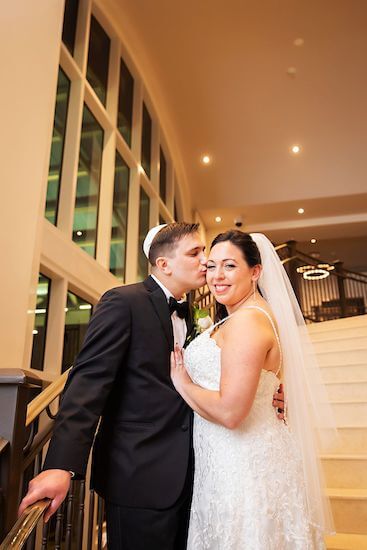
column 249, row 487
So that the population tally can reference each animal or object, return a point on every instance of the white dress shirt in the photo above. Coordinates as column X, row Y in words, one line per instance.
column 178, row 324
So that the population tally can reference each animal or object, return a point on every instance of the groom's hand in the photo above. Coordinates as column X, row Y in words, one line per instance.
column 278, row 402
column 52, row 484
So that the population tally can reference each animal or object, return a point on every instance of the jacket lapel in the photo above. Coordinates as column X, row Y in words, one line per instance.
column 189, row 323
column 160, row 305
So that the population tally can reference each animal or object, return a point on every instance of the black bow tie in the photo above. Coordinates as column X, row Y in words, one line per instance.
column 181, row 308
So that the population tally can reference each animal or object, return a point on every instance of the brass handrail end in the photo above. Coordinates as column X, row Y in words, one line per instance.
column 24, row 525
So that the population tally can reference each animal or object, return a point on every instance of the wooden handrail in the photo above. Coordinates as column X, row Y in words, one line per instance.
column 39, row 403
column 280, row 246
column 24, row 525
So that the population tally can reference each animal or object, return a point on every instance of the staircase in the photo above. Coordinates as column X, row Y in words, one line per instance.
column 341, row 346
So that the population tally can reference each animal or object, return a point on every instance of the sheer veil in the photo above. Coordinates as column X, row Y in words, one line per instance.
column 309, row 413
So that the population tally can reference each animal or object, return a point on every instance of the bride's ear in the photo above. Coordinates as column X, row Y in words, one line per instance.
column 256, row 272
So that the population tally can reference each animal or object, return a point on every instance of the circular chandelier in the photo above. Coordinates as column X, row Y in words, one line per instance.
column 315, row 272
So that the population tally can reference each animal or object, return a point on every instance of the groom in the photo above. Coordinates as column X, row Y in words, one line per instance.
column 142, row 456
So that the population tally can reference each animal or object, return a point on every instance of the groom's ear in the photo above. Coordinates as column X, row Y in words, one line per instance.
column 163, row 265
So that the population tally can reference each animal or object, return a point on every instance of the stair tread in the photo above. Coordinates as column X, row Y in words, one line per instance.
column 325, row 325
column 354, row 348
column 346, row 541
column 346, row 365
column 357, row 494
column 342, row 456
column 345, row 382
column 348, row 401
column 336, row 339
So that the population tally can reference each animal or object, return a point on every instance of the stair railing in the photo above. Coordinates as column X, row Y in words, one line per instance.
column 26, row 424
column 325, row 290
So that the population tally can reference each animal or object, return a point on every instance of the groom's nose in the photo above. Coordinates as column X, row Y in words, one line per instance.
column 203, row 259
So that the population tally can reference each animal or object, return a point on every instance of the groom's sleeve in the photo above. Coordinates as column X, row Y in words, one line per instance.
column 89, row 384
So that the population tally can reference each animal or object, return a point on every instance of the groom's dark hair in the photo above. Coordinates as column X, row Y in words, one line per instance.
column 165, row 240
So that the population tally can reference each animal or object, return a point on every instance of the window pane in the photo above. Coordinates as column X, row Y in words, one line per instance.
column 57, row 147
column 70, row 21
column 143, row 230
column 125, row 110
column 162, row 176
column 87, row 190
column 40, row 322
column 98, row 56
column 77, row 316
column 119, row 218
column 146, row 141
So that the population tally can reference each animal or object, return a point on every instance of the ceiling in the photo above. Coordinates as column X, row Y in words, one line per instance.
column 219, row 73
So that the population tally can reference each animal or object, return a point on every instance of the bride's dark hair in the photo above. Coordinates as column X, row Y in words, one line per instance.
column 250, row 253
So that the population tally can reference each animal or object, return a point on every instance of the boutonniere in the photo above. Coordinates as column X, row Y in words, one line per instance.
column 202, row 319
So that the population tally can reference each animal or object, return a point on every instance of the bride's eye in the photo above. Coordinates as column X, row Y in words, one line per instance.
column 229, row 266
column 210, row 267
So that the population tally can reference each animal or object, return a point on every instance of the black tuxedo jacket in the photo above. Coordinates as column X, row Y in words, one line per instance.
column 122, row 374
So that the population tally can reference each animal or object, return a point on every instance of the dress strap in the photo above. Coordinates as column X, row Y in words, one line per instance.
column 275, row 332
column 219, row 322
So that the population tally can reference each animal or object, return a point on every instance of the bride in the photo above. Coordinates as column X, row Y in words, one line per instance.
column 258, row 484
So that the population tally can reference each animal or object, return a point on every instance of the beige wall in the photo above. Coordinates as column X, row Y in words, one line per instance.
column 29, row 53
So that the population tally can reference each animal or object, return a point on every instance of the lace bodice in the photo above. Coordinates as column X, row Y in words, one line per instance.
column 248, row 485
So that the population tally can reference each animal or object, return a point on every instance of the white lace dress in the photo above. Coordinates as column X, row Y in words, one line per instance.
column 248, row 484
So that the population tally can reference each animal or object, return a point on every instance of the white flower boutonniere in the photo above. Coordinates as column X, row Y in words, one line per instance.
column 202, row 319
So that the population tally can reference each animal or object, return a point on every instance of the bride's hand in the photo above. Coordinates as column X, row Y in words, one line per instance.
column 179, row 374
column 278, row 402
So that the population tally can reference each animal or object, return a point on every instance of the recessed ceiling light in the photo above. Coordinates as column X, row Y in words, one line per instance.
column 295, row 149
column 205, row 159
column 313, row 241
column 298, row 42
column 301, row 210
column 79, row 233
column 218, row 219
column 292, row 71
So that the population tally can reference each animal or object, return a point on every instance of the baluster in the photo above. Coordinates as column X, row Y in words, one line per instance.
column 45, row 530
column 100, row 517
column 341, row 288
column 58, row 527
column 80, row 516
column 69, row 515
column 90, row 520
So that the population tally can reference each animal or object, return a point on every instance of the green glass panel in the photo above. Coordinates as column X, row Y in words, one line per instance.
column 88, row 183
column 70, row 22
column 146, row 141
column 40, row 322
column 77, row 315
column 162, row 176
column 125, row 108
column 98, row 59
column 119, row 218
column 57, row 147
column 143, row 230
